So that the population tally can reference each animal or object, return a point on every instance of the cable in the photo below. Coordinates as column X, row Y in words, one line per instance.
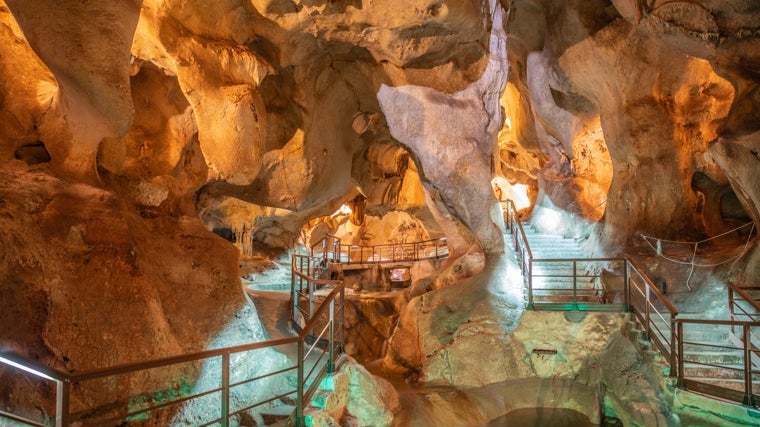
column 681, row 242
column 696, row 244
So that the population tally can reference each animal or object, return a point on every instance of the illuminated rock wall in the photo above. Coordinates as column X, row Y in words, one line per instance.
column 129, row 131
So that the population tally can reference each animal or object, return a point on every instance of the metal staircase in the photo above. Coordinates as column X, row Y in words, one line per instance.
column 559, row 267
column 716, row 357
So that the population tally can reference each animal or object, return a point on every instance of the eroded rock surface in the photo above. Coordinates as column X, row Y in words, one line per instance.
column 123, row 124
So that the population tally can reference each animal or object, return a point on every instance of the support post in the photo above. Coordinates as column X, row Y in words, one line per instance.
column 63, row 390
column 530, row 284
column 293, row 292
column 342, row 314
column 648, row 302
column 311, row 301
column 300, row 421
column 331, row 358
column 575, row 283
column 749, row 399
column 674, row 339
column 680, row 382
column 225, row 407
column 626, row 288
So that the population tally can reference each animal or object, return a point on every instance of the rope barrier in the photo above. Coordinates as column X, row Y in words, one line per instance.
column 682, row 242
column 658, row 249
column 575, row 211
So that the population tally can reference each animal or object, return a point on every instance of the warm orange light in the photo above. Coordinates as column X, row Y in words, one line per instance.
column 344, row 209
column 517, row 193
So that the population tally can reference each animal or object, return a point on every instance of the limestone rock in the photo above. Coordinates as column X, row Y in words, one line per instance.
column 359, row 398
column 86, row 46
column 97, row 275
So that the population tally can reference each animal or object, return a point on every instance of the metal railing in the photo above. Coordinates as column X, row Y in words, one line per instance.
column 654, row 312
column 735, row 378
column 317, row 347
column 597, row 284
column 519, row 240
column 331, row 249
column 306, row 272
column 742, row 306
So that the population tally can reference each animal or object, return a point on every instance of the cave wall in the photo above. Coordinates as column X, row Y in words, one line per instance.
column 122, row 125
column 627, row 102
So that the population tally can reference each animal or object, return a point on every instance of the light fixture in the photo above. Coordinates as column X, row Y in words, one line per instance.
column 26, row 369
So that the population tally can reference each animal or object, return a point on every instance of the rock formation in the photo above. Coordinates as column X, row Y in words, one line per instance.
column 132, row 132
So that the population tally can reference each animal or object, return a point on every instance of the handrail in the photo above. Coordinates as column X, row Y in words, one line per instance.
column 656, row 313
column 379, row 254
column 652, row 287
column 514, row 222
column 733, row 288
column 749, row 354
column 332, row 326
column 174, row 360
column 642, row 297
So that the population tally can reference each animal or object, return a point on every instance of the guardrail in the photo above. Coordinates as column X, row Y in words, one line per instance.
column 519, row 240
column 317, row 347
column 597, row 284
column 654, row 312
column 747, row 388
column 331, row 249
column 305, row 282
column 743, row 307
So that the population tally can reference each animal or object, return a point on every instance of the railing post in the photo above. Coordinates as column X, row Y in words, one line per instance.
column 674, row 339
column 300, row 386
column 311, row 300
column 647, row 320
column 63, row 390
column 575, row 282
column 626, row 287
column 293, row 293
column 680, row 382
column 331, row 358
column 342, row 314
column 731, row 315
column 225, row 421
column 530, row 284
column 749, row 400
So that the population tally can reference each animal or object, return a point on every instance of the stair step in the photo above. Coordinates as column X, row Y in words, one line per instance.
column 714, row 357
column 727, row 383
column 552, row 280
column 539, row 269
column 736, row 372
column 539, row 240
column 561, row 272
column 554, row 247
column 564, row 258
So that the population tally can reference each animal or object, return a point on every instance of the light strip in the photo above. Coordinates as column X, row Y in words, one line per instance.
column 26, row 368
